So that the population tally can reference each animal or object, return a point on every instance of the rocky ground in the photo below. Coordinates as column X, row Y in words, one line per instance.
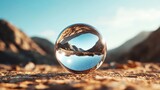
column 130, row 76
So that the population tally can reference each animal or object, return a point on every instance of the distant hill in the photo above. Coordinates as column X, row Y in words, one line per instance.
column 115, row 54
column 44, row 44
column 146, row 51
column 17, row 48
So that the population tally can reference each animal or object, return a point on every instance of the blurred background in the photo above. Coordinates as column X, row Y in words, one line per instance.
column 124, row 24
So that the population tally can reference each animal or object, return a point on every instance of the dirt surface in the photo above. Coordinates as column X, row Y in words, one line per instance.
column 130, row 76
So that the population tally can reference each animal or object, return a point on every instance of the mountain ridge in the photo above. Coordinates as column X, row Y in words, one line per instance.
column 114, row 54
column 17, row 48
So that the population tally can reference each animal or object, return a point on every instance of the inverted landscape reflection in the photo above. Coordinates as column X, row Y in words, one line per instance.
column 80, row 48
column 79, row 63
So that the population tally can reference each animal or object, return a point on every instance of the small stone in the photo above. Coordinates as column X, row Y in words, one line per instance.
column 30, row 66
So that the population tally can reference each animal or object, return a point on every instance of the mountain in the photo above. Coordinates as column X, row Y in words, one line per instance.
column 44, row 44
column 17, row 48
column 146, row 51
column 115, row 54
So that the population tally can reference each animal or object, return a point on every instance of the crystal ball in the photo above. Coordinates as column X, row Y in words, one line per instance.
column 80, row 48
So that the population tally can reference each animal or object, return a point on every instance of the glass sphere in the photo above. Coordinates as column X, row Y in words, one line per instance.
column 80, row 48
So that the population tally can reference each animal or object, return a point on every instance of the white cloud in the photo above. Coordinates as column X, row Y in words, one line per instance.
column 132, row 16
column 129, row 17
column 127, row 22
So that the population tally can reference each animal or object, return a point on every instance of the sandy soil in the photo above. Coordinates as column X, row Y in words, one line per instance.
column 130, row 76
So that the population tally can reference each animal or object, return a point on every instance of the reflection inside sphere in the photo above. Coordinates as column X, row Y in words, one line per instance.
column 80, row 48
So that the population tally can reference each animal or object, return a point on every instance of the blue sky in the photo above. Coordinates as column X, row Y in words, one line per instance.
column 116, row 20
column 84, row 41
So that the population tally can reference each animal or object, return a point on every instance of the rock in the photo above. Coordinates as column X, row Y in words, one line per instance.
column 14, row 39
column 17, row 48
column 30, row 66
column 9, row 57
